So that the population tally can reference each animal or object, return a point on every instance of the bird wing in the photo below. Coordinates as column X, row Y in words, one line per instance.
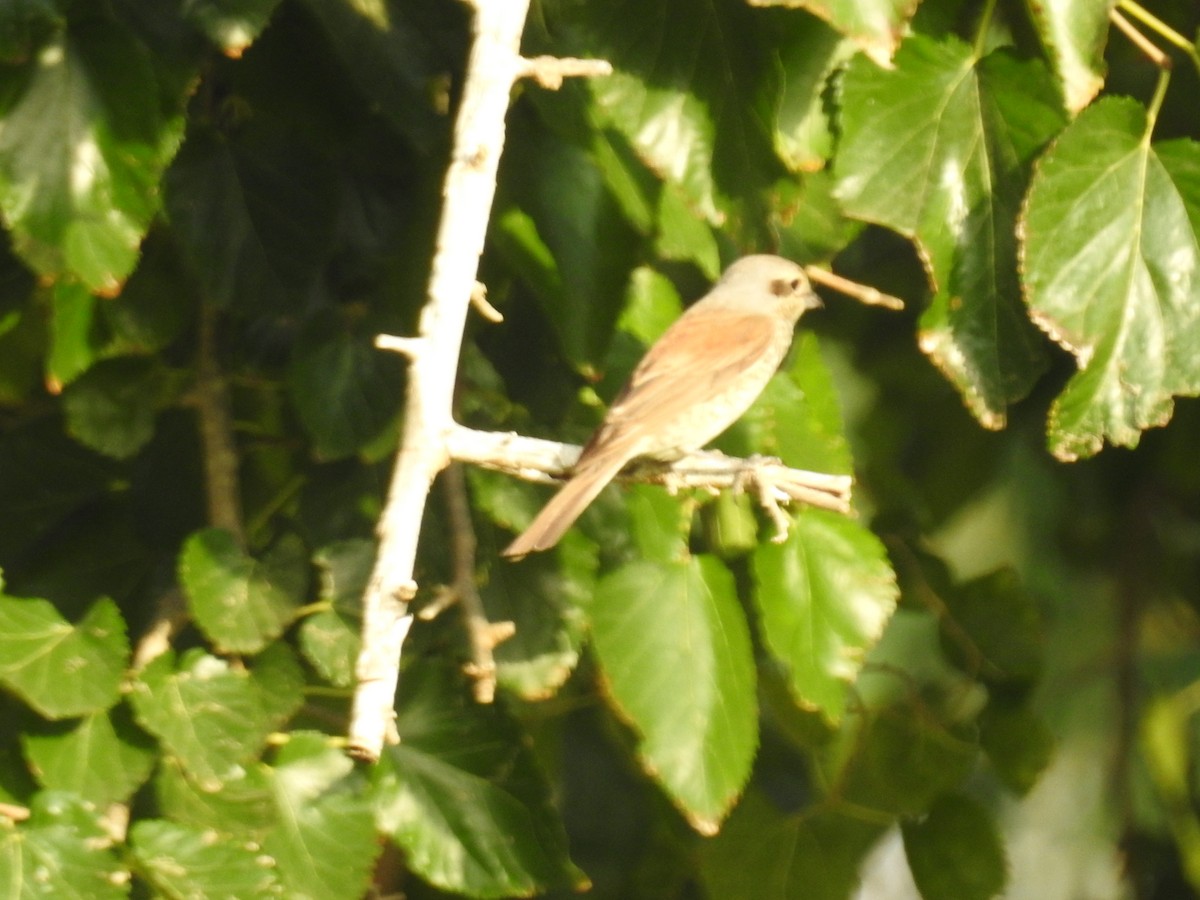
column 695, row 360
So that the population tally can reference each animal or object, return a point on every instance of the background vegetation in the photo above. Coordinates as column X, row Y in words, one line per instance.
column 986, row 679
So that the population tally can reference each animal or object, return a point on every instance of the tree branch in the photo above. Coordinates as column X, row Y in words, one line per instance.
column 494, row 64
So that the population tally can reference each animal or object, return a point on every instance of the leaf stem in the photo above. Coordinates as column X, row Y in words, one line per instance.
column 985, row 23
column 1160, row 91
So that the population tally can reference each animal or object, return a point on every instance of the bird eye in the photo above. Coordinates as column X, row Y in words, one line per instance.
column 795, row 284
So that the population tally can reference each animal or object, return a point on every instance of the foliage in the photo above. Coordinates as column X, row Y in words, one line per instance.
column 211, row 208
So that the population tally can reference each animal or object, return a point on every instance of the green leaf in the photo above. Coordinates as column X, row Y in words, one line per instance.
column 111, row 408
column 898, row 759
column 80, row 187
column 231, row 24
column 103, row 757
column 675, row 648
column 955, row 852
column 240, row 805
column 541, row 595
column 77, row 338
column 240, row 602
column 324, row 842
column 809, row 52
column 38, row 647
column 684, row 92
column 874, row 25
column 567, row 211
column 992, row 630
column 345, row 390
column 185, row 861
column 937, row 149
column 1018, row 742
column 1110, row 262
column 1075, row 33
column 215, row 717
column 330, row 639
column 463, row 797
column 825, row 595
column 254, row 214
column 63, row 850
column 763, row 854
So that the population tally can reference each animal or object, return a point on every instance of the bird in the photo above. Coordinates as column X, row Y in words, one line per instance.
column 695, row 381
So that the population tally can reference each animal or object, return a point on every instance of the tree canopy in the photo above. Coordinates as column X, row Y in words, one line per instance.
column 980, row 681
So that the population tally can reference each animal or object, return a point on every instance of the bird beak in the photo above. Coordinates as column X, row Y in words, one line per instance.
column 812, row 301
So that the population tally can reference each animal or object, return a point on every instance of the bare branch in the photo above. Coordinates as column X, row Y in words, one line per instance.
column 550, row 71
column 470, row 185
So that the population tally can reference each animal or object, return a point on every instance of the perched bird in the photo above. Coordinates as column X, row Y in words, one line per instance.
column 696, row 381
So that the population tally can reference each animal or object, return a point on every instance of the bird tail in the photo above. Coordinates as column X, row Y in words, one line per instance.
column 566, row 506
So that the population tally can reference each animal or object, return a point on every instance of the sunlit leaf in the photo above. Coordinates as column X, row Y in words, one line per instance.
column 80, row 187
column 874, row 25
column 213, row 716
column 186, row 861
column 102, row 757
column 63, row 850
column 1110, row 260
column 1075, row 33
column 937, row 149
column 38, row 648
column 324, row 842
column 242, row 603
column 675, row 649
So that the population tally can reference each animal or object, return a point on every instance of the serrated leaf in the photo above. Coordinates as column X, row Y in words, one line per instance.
column 111, row 407
column 330, row 639
column 240, row 602
column 103, row 757
column 540, row 595
column 937, row 150
column 324, row 842
column 808, row 55
column 215, row 717
column 61, row 851
column 61, row 669
column 1110, row 259
column 345, row 390
column 186, row 861
column 231, row 24
column 79, row 188
column 954, row 852
column 675, row 648
column 825, row 595
column 463, row 797
column 763, row 853
column 77, row 338
column 254, row 214
column 874, row 25
column 1074, row 33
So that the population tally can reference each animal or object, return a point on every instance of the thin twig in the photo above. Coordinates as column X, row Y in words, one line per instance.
column 861, row 292
column 482, row 634
column 216, row 433
column 1139, row 40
